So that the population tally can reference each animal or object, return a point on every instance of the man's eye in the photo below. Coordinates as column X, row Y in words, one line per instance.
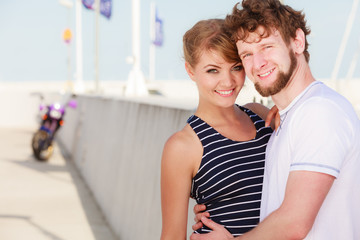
column 245, row 56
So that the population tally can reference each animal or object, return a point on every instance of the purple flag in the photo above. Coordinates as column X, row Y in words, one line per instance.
column 88, row 3
column 105, row 6
column 159, row 35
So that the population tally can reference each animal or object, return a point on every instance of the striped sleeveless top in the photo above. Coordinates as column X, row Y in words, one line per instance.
column 229, row 180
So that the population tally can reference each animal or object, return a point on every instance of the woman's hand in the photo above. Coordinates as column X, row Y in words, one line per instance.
column 273, row 115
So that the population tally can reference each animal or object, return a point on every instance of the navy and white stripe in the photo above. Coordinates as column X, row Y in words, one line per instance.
column 229, row 180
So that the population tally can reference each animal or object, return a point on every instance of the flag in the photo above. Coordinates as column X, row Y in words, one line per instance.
column 105, row 6
column 88, row 3
column 159, row 35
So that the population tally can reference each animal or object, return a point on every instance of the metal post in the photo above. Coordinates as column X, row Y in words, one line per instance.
column 79, row 84
column 152, row 50
column 97, row 14
column 352, row 67
column 68, row 4
column 136, row 83
column 343, row 44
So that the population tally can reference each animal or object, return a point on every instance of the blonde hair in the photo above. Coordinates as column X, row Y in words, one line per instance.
column 208, row 35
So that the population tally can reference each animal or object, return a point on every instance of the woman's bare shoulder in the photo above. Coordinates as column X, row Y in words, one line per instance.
column 182, row 138
column 183, row 148
column 258, row 108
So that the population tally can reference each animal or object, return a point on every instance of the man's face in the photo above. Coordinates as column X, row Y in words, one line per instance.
column 268, row 62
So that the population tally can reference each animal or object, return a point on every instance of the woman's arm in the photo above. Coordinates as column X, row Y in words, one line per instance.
column 178, row 165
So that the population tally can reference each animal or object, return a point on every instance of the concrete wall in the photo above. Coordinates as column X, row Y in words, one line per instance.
column 117, row 146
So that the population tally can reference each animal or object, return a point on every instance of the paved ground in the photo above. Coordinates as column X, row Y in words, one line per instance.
column 44, row 200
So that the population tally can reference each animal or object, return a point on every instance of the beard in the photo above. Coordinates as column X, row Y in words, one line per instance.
column 281, row 81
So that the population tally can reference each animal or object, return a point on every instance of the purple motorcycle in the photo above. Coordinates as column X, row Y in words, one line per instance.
column 52, row 120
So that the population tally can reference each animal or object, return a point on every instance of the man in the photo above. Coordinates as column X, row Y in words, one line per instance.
column 312, row 182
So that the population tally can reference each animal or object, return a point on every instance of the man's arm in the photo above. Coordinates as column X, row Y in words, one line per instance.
column 304, row 195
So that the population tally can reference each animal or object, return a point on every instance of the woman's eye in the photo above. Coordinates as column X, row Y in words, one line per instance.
column 238, row 68
column 212, row 71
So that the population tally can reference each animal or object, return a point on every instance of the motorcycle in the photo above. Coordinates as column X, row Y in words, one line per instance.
column 52, row 120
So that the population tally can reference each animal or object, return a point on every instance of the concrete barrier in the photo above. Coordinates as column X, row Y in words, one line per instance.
column 117, row 146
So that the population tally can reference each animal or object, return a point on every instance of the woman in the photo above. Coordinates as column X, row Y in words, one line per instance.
column 218, row 157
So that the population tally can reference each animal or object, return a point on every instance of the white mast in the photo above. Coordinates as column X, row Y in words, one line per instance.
column 343, row 43
column 68, row 4
column 79, row 84
column 97, row 15
column 152, row 50
column 136, row 83
column 352, row 67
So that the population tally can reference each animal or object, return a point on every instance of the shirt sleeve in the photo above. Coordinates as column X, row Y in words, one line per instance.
column 320, row 137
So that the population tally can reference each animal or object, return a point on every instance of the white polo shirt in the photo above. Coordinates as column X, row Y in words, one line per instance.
column 320, row 132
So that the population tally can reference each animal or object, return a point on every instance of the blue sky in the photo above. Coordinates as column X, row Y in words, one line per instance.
column 32, row 48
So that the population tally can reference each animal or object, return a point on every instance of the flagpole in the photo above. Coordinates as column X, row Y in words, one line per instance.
column 79, row 84
column 136, row 82
column 352, row 67
column 97, row 14
column 68, row 4
column 344, row 41
column 152, row 51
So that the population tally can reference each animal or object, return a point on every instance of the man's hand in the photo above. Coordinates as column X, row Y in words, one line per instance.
column 199, row 213
column 218, row 233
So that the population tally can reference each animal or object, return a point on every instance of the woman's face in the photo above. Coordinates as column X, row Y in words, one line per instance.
column 219, row 82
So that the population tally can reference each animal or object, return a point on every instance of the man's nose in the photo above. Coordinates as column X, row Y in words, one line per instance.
column 259, row 60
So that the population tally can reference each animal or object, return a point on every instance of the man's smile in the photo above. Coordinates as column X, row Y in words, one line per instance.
column 266, row 74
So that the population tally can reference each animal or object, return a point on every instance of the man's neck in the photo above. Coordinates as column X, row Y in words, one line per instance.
column 300, row 80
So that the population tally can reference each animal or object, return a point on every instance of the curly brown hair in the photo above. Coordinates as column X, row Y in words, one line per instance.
column 208, row 35
column 270, row 14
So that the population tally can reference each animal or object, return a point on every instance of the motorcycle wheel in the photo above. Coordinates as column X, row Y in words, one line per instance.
column 42, row 145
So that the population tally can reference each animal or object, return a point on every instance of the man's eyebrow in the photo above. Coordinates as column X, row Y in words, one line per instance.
column 243, row 52
column 261, row 45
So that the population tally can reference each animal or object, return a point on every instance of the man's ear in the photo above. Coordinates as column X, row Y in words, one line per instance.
column 299, row 41
column 189, row 70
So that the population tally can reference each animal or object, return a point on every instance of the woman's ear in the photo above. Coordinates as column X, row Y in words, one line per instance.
column 189, row 70
column 299, row 41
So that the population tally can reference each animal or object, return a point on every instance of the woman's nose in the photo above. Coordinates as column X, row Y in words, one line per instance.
column 228, row 79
